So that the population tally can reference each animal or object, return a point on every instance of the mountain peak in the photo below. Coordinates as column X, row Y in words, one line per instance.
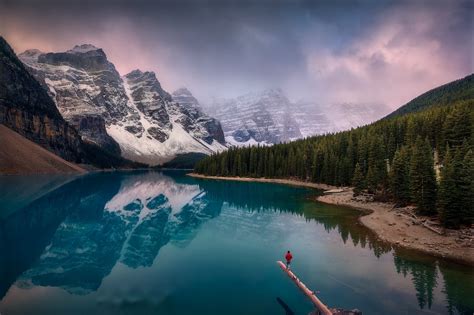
column 182, row 92
column 84, row 48
column 148, row 80
column 137, row 73
column 30, row 54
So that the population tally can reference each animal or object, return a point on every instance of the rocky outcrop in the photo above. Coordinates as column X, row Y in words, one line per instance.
column 92, row 129
column 26, row 108
column 195, row 121
column 150, row 100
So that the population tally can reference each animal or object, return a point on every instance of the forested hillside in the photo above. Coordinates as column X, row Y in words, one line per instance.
column 459, row 90
column 423, row 158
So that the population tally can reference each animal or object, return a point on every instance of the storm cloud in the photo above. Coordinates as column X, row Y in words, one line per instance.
column 360, row 51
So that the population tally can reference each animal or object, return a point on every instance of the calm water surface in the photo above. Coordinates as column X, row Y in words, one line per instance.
column 164, row 243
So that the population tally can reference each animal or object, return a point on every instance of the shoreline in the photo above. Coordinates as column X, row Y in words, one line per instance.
column 398, row 226
column 290, row 182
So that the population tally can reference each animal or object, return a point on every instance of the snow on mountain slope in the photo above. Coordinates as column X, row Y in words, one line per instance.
column 165, row 127
column 130, row 115
column 264, row 117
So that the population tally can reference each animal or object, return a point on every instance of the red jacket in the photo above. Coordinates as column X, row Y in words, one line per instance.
column 288, row 257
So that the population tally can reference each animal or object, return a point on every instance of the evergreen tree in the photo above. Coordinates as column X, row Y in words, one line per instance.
column 377, row 171
column 360, row 156
column 358, row 180
column 447, row 193
column 458, row 126
column 422, row 177
column 467, row 191
column 456, row 198
column 399, row 177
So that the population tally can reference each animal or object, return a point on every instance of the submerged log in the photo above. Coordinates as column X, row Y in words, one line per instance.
column 321, row 308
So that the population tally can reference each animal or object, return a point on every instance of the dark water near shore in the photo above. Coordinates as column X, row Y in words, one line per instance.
column 164, row 243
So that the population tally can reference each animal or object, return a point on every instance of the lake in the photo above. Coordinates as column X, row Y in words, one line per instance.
column 163, row 243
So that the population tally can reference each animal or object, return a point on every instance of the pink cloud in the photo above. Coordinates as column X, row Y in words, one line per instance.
column 392, row 64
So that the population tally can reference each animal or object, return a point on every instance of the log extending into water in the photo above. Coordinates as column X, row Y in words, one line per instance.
column 323, row 309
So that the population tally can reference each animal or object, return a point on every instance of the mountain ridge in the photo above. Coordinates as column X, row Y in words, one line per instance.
column 130, row 116
column 439, row 96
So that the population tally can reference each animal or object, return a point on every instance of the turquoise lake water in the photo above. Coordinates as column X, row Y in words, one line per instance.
column 165, row 243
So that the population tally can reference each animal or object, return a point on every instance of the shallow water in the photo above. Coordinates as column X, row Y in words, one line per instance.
column 164, row 243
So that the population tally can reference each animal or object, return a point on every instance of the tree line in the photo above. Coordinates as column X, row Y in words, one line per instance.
column 424, row 158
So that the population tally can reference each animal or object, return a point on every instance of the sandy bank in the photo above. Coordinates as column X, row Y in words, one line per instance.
column 19, row 155
column 398, row 226
column 267, row 180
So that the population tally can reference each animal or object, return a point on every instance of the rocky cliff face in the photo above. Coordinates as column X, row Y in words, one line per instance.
column 26, row 108
column 86, row 88
column 92, row 128
column 130, row 115
column 206, row 128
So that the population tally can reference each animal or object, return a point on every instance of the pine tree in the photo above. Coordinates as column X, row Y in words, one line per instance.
column 467, row 175
column 399, row 177
column 377, row 171
column 456, row 199
column 358, row 180
column 422, row 177
column 447, row 193
column 457, row 127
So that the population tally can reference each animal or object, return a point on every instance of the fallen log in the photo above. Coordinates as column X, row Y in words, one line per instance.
column 323, row 309
column 432, row 229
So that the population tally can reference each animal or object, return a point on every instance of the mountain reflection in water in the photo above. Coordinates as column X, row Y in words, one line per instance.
column 73, row 236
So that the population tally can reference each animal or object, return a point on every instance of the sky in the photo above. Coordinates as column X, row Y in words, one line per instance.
column 326, row 52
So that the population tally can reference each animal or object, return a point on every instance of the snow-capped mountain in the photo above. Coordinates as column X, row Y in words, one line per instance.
column 270, row 117
column 264, row 117
column 130, row 115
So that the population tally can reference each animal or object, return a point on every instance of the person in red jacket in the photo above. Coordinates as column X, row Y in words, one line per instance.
column 288, row 258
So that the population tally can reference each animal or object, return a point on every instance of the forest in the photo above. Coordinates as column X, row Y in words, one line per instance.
column 423, row 158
